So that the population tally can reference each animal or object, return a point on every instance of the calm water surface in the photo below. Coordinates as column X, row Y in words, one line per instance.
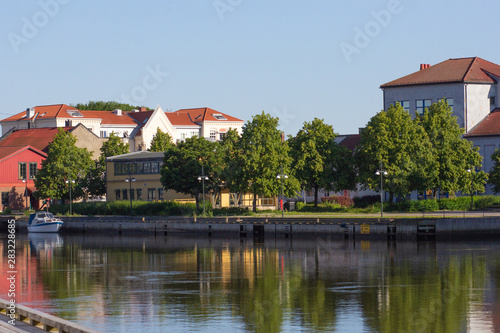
column 198, row 284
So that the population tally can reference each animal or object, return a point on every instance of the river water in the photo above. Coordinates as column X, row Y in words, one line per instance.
column 120, row 283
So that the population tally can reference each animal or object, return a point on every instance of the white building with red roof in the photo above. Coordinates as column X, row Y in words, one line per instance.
column 136, row 127
column 471, row 87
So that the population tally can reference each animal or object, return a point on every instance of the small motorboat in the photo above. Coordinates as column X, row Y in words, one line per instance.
column 44, row 222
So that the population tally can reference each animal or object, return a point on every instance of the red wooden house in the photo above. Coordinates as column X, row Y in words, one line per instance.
column 18, row 168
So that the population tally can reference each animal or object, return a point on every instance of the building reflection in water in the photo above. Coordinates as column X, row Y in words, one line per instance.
column 322, row 284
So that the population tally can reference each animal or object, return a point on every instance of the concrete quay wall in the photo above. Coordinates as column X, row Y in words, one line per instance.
column 289, row 225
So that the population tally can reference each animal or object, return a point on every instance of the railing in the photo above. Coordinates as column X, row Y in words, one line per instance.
column 41, row 320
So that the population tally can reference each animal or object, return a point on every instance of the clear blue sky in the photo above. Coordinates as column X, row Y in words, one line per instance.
column 293, row 59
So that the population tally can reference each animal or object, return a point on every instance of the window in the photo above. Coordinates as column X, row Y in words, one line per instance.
column 5, row 198
column 421, row 105
column 450, row 103
column 33, row 170
column 117, row 193
column 103, row 134
column 139, row 193
column 405, row 105
column 213, row 134
column 183, row 136
column 22, row 170
column 151, row 194
column 219, row 117
column 267, row 201
column 125, row 197
column 160, row 194
column 194, row 133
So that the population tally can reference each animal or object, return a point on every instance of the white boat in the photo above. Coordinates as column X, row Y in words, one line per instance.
column 44, row 222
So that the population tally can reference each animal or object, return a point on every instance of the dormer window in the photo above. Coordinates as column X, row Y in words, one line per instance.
column 74, row 113
column 219, row 117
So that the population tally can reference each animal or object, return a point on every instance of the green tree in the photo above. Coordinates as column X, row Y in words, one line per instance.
column 104, row 106
column 161, row 141
column 495, row 171
column 453, row 154
column 391, row 137
column 182, row 165
column 264, row 153
column 318, row 162
column 232, row 173
column 64, row 162
column 95, row 181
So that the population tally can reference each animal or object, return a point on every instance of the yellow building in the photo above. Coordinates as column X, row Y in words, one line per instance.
column 144, row 168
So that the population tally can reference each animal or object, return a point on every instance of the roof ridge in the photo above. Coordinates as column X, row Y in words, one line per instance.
column 469, row 68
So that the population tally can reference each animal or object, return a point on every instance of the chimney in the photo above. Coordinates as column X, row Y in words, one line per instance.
column 143, row 108
column 424, row 66
column 118, row 112
column 30, row 112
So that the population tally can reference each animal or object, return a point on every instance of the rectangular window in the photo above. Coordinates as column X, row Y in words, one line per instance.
column 194, row 133
column 183, row 136
column 267, row 201
column 103, row 134
column 405, row 105
column 117, row 193
column 421, row 105
column 22, row 170
column 450, row 103
column 5, row 198
column 147, row 167
column 213, row 134
column 151, row 194
column 160, row 194
column 33, row 170
column 125, row 197
column 140, row 168
column 154, row 167
column 139, row 193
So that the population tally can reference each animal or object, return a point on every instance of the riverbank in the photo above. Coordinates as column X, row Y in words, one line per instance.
column 290, row 226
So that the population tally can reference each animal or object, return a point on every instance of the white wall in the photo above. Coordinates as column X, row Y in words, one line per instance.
column 478, row 103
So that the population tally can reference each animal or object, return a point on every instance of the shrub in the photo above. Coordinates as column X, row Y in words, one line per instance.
column 343, row 201
column 365, row 201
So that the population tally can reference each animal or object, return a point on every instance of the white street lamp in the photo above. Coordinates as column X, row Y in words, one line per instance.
column 202, row 178
column 381, row 172
column 282, row 176
column 70, row 199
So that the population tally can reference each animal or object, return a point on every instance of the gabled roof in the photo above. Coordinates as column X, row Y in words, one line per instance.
column 65, row 111
column 351, row 141
column 207, row 114
column 489, row 126
column 38, row 138
column 472, row 70
column 9, row 151
column 43, row 112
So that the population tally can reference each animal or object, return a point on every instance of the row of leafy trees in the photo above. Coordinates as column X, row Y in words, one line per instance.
column 420, row 154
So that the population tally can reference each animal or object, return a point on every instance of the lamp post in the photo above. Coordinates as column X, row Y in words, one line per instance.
column 25, row 180
column 381, row 172
column 282, row 176
column 202, row 178
column 129, row 180
column 471, row 187
column 70, row 181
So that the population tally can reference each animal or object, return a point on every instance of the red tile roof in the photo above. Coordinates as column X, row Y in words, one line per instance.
column 181, row 119
column 60, row 111
column 206, row 114
column 351, row 141
column 489, row 126
column 38, row 138
column 473, row 70
column 8, row 151
column 44, row 112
